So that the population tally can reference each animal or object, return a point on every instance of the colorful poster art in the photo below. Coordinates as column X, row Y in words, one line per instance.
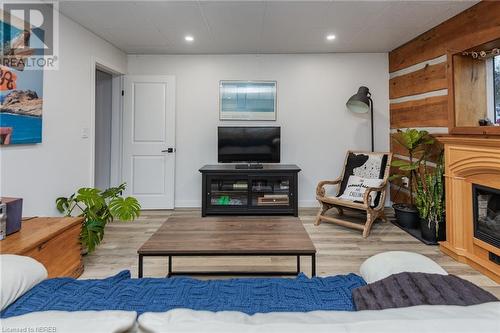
column 21, row 88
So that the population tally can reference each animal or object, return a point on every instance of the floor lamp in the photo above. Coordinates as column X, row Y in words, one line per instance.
column 361, row 102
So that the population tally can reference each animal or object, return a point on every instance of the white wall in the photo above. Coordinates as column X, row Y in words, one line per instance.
column 317, row 129
column 62, row 162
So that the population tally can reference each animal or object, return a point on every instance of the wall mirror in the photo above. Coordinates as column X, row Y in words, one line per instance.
column 474, row 81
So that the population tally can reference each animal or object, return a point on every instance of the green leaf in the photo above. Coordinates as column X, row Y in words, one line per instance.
column 92, row 234
column 91, row 197
column 399, row 163
column 62, row 204
column 114, row 191
column 394, row 177
column 409, row 167
column 125, row 209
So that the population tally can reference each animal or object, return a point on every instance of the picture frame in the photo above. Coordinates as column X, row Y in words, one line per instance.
column 247, row 100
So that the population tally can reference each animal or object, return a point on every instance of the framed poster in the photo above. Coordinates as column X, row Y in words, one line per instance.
column 21, row 88
column 247, row 100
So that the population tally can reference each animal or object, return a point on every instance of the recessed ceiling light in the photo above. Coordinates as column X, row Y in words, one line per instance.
column 189, row 38
column 330, row 37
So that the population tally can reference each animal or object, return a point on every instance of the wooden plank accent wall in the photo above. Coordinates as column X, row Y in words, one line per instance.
column 474, row 26
column 413, row 103
column 427, row 112
column 427, row 79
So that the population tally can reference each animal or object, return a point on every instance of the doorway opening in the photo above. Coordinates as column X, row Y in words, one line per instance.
column 107, row 129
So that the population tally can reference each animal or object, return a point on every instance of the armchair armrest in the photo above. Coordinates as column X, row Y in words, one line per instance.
column 320, row 189
column 366, row 197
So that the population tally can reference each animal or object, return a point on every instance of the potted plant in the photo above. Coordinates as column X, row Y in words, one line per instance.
column 417, row 144
column 430, row 203
column 98, row 208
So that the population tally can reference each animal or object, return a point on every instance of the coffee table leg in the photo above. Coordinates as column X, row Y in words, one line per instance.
column 169, row 266
column 298, row 265
column 140, row 266
column 313, row 265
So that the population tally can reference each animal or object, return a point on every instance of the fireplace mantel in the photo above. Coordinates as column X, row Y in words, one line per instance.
column 469, row 160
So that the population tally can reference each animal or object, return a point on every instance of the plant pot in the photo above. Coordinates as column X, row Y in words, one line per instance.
column 429, row 230
column 407, row 216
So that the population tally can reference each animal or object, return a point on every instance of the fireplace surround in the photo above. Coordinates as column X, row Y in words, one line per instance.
column 472, row 182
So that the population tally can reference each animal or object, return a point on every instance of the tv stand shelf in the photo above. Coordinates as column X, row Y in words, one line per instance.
column 228, row 189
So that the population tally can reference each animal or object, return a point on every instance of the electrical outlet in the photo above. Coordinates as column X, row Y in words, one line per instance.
column 85, row 132
column 405, row 182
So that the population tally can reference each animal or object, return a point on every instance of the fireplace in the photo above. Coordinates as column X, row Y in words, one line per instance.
column 486, row 201
column 472, row 173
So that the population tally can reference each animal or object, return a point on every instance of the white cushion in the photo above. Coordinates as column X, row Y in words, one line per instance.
column 419, row 319
column 356, row 188
column 18, row 274
column 71, row 322
column 384, row 264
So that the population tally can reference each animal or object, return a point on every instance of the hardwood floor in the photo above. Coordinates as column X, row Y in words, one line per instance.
column 340, row 250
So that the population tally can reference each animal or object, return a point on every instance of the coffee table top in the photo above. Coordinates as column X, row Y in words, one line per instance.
column 229, row 235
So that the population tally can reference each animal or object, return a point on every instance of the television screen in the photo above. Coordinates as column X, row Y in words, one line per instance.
column 249, row 144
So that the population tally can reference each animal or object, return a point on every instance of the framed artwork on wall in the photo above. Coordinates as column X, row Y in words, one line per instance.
column 21, row 87
column 247, row 100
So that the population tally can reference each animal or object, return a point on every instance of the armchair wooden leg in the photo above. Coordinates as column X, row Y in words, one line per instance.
column 370, row 217
column 322, row 210
column 318, row 217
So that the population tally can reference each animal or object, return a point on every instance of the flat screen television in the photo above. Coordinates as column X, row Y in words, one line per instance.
column 249, row 144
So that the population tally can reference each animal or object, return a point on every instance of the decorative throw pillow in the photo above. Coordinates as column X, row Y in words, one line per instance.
column 18, row 275
column 356, row 188
column 382, row 265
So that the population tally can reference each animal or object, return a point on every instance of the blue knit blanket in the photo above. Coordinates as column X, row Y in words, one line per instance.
column 248, row 295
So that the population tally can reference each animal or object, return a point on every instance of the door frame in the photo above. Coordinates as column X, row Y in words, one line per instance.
column 116, row 120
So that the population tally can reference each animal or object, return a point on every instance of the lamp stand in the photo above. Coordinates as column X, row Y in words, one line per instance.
column 371, row 119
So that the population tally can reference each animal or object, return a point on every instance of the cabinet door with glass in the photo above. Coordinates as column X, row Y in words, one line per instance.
column 227, row 192
column 271, row 192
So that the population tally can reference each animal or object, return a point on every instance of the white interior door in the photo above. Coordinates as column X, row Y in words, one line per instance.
column 149, row 139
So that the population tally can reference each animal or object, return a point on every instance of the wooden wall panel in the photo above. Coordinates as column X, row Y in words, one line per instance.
column 427, row 112
column 429, row 78
column 476, row 25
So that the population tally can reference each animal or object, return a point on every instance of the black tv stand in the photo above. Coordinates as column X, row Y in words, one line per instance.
column 269, row 189
column 249, row 166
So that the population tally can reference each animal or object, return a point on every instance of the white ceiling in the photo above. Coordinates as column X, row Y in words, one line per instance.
column 228, row 27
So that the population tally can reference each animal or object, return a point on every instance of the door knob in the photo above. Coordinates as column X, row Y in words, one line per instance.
column 168, row 150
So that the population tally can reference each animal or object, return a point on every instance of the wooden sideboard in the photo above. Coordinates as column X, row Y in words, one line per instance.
column 53, row 241
column 469, row 160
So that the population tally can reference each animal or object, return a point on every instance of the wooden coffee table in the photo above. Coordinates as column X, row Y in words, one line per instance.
column 229, row 236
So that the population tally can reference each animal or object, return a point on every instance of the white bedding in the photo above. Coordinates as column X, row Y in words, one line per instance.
column 71, row 322
column 477, row 318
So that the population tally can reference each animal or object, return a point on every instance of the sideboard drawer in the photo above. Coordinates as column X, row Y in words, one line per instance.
column 61, row 255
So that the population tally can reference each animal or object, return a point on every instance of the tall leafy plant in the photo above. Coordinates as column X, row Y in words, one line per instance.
column 417, row 144
column 430, row 195
column 98, row 208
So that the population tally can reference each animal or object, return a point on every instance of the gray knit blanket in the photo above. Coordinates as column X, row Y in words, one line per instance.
column 410, row 289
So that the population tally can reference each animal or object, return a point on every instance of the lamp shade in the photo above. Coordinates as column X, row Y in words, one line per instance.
column 359, row 102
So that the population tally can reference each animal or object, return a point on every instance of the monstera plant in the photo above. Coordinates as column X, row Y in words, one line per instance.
column 417, row 145
column 98, row 208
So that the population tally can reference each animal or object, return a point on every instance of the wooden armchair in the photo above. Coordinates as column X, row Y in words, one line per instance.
column 367, row 165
